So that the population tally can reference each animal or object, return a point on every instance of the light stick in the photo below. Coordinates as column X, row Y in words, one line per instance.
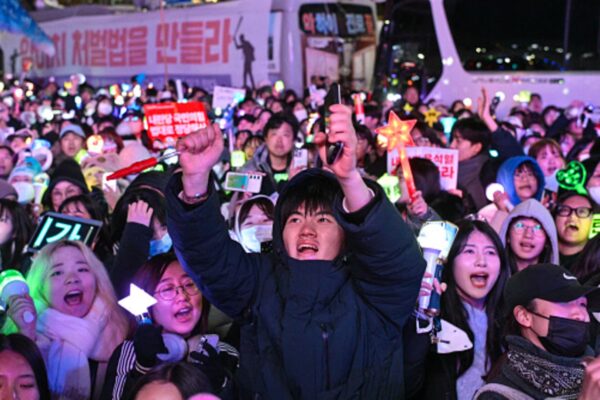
column 359, row 107
column 138, row 302
column 140, row 166
column 397, row 133
column 12, row 283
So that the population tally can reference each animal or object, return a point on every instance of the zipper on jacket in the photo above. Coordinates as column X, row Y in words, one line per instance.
column 325, row 338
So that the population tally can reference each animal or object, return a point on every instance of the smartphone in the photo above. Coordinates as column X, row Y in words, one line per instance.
column 300, row 158
column 334, row 96
column 243, row 182
column 494, row 104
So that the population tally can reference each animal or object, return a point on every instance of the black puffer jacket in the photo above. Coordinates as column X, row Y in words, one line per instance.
column 311, row 329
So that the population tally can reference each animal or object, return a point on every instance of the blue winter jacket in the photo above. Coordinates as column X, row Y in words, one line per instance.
column 506, row 172
column 310, row 329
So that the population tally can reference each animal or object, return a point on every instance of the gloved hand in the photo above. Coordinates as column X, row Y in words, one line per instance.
column 212, row 366
column 147, row 343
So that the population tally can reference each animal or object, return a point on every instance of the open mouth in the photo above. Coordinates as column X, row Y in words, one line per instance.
column 526, row 246
column 307, row 248
column 74, row 297
column 572, row 227
column 479, row 280
column 184, row 314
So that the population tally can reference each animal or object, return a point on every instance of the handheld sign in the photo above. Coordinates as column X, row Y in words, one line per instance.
column 243, row 182
column 169, row 121
column 595, row 228
column 55, row 227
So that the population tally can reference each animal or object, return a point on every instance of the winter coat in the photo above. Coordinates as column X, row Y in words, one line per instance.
column 260, row 163
column 505, row 177
column 310, row 329
column 533, row 209
column 469, row 182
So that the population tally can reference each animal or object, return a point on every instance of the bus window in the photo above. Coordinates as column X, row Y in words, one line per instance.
column 517, row 35
column 409, row 54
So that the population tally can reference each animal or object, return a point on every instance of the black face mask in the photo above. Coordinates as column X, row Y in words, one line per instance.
column 566, row 337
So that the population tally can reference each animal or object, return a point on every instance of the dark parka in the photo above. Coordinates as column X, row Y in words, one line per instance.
column 310, row 329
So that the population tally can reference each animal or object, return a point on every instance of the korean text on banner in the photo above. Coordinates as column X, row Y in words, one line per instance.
column 445, row 159
column 169, row 121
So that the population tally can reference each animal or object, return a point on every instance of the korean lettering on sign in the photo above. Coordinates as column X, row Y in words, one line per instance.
column 334, row 19
column 119, row 47
column 445, row 159
column 168, row 121
column 55, row 227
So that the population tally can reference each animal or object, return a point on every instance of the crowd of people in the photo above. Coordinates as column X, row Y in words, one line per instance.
column 306, row 288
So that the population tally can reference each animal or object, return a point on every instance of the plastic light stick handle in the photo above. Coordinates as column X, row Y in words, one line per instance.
column 133, row 168
column 434, row 301
column 431, row 257
column 359, row 108
column 407, row 172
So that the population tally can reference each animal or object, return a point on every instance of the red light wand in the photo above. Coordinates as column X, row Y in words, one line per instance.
column 140, row 166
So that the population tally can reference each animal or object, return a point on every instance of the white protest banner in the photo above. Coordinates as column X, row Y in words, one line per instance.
column 224, row 96
column 445, row 159
column 224, row 43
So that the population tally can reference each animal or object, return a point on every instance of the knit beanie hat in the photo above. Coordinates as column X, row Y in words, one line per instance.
column 68, row 171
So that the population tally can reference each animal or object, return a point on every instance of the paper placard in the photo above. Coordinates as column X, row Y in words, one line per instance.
column 55, row 227
column 445, row 159
column 224, row 96
column 169, row 121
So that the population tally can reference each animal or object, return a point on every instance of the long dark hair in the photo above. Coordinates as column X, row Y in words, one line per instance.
column 544, row 257
column 12, row 251
column 149, row 274
column 188, row 379
column 588, row 263
column 453, row 309
column 28, row 350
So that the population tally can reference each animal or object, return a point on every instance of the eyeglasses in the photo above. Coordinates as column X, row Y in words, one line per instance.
column 170, row 291
column 581, row 212
column 520, row 228
column 524, row 174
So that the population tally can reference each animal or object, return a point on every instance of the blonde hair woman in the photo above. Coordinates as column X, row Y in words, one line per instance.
column 78, row 322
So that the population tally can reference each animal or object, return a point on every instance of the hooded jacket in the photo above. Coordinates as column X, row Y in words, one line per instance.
column 260, row 163
column 506, row 174
column 533, row 209
column 310, row 329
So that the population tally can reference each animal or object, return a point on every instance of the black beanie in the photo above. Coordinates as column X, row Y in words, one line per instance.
column 70, row 171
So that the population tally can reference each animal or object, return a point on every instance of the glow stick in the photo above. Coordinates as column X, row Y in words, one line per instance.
column 137, row 303
column 359, row 107
column 12, row 283
column 397, row 133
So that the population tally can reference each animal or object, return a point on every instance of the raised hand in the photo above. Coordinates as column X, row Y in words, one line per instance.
column 20, row 310
column 340, row 130
column 199, row 152
column 140, row 213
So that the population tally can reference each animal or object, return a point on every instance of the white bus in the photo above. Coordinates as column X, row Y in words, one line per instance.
column 451, row 48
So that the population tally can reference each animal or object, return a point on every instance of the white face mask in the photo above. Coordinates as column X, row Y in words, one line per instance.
column 25, row 191
column 105, row 108
column 253, row 236
column 301, row 115
column 594, row 193
column 551, row 182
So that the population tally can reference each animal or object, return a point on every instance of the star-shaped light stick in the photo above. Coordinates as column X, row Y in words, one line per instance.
column 138, row 302
column 432, row 116
column 397, row 133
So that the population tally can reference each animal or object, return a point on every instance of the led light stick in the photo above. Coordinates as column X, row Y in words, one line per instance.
column 138, row 302
column 497, row 187
column 397, row 133
column 572, row 177
column 12, row 283
column 140, row 166
column 435, row 238
column 359, row 107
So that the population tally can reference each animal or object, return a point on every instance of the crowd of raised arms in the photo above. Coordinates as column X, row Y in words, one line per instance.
column 308, row 285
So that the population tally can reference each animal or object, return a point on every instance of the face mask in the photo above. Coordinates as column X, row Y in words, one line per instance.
column 253, row 236
column 301, row 115
column 566, row 337
column 105, row 108
column 161, row 246
column 594, row 193
column 25, row 191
